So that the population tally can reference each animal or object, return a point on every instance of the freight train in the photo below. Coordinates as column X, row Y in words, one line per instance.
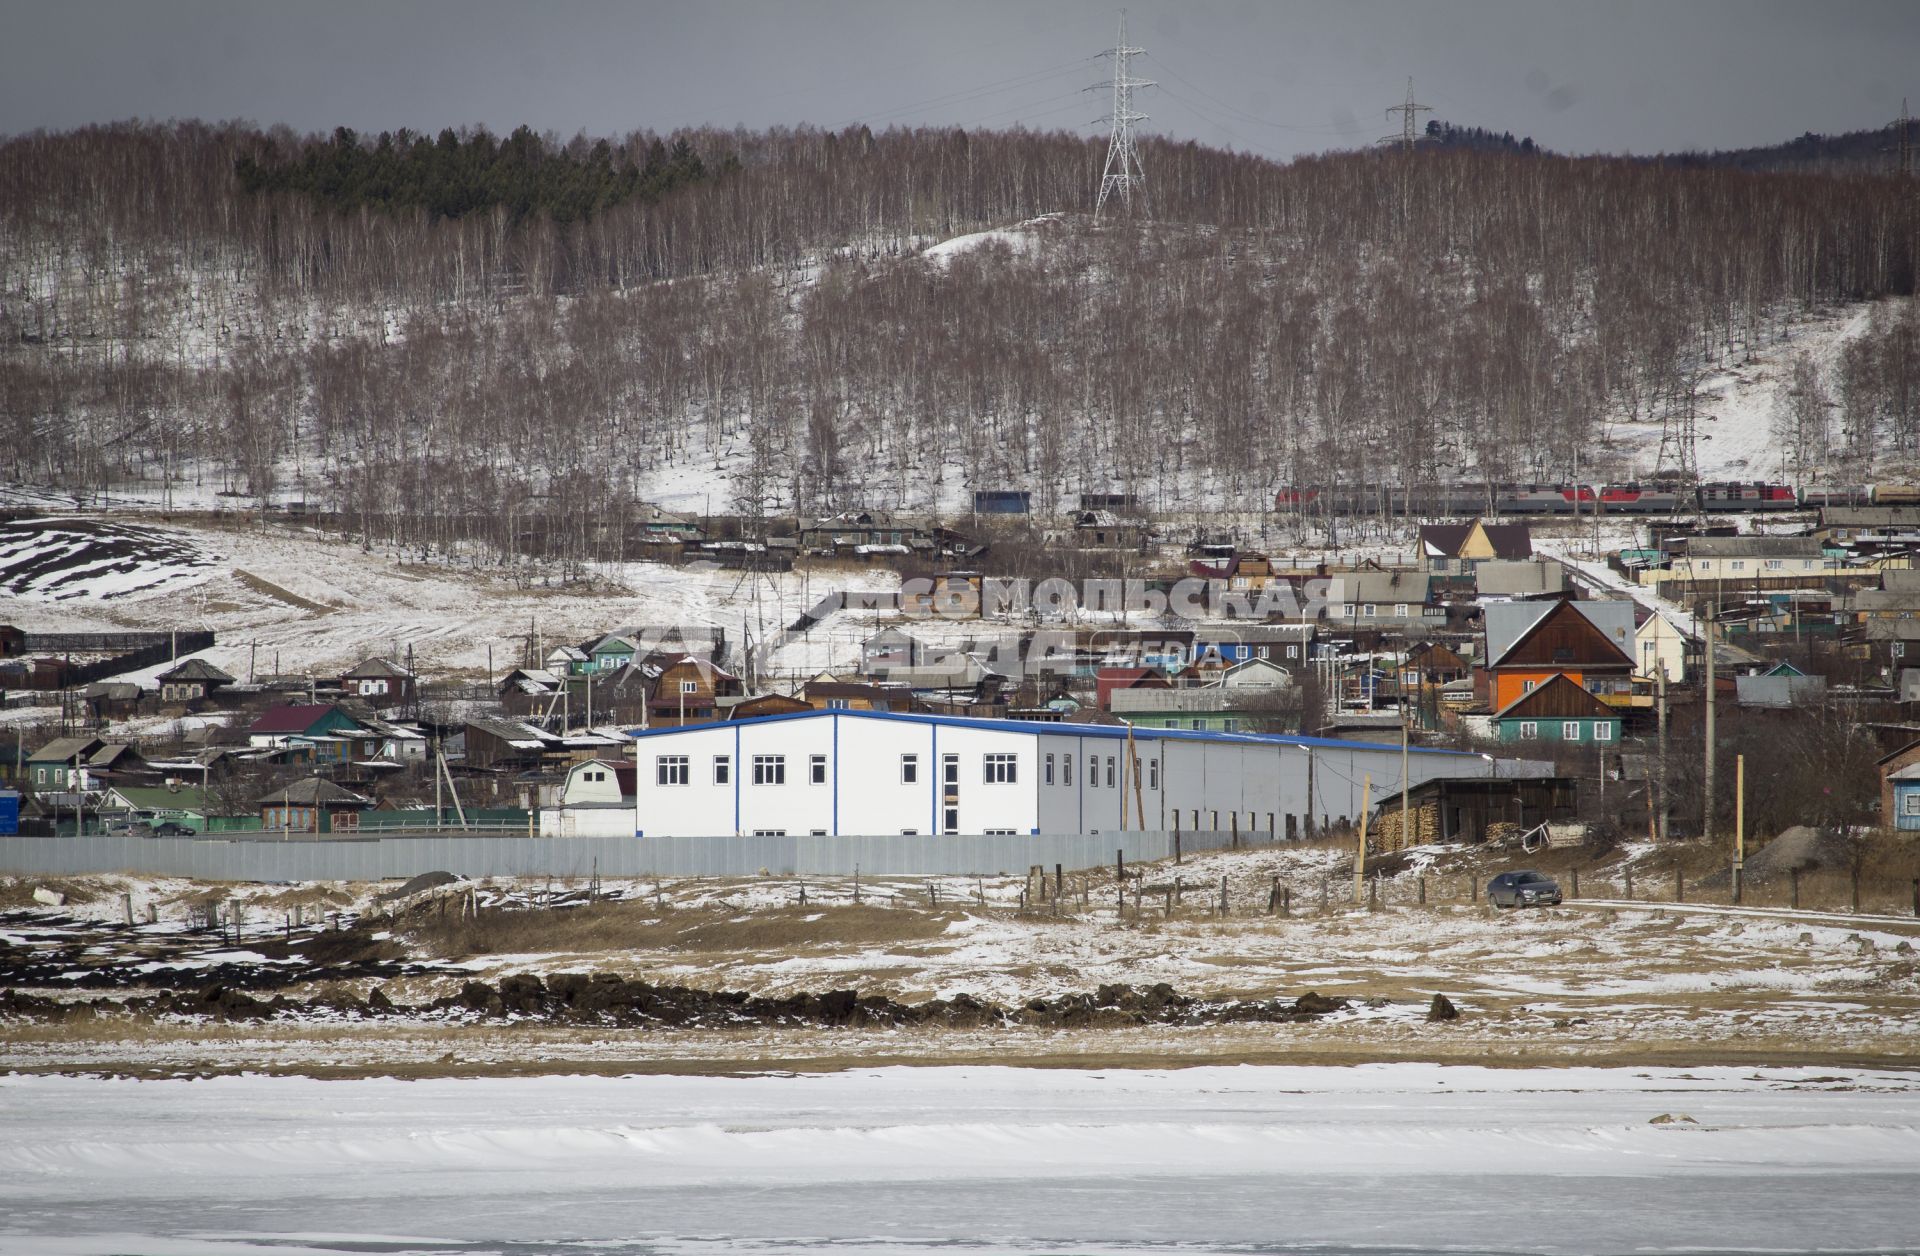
column 1585, row 499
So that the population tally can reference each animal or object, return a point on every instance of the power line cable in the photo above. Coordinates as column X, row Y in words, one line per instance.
column 1013, row 82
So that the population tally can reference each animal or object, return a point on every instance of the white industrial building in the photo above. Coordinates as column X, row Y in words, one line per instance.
column 870, row 773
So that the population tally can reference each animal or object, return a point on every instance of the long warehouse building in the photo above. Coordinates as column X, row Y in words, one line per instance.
column 856, row 772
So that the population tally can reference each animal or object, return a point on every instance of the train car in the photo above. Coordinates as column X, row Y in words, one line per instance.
column 1730, row 495
column 1817, row 495
column 1543, row 499
column 1637, row 499
column 1896, row 494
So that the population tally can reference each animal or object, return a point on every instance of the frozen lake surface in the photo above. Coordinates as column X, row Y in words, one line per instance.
column 1383, row 1158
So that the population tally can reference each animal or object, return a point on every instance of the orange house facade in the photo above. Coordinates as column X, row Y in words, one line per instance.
column 1564, row 640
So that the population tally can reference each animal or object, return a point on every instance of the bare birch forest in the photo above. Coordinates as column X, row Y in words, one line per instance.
column 1376, row 317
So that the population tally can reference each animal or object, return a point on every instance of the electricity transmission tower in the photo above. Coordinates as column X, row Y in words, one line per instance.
column 1409, row 121
column 1123, row 173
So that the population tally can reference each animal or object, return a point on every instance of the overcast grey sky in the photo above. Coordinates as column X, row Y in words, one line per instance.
column 1274, row 78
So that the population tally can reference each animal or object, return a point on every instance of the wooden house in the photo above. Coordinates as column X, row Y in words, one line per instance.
column 864, row 534
column 610, row 652
column 830, row 694
column 1457, row 548
column 191, row 681
column 1558, row 709
column 1105, row 529
column 683, row 688
column 565, row 660
column 762, row 704
column 1529, row 643
column 279, row 725
column 888, row 649
column 61, row 764
column 311, row 805
column 1432, row 664
column 381, row 682
column 1900, row 788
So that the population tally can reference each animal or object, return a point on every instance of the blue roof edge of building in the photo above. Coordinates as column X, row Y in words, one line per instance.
column 1140, row 732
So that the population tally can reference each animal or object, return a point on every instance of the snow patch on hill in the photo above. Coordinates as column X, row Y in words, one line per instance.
column 67, row 559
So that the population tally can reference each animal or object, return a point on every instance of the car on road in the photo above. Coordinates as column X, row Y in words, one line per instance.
column 1526, row 888
column 171, row 828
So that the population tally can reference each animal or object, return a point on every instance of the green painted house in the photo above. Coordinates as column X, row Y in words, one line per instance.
column 611, row 653
column 1558, row 710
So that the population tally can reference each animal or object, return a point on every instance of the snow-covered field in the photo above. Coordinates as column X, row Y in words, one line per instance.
column 1375, row 1158
column 296, row 600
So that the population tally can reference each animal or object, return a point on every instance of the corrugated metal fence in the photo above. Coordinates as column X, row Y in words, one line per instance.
column 266, row 858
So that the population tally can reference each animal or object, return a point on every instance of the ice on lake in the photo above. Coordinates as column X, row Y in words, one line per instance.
column 1377, row 1158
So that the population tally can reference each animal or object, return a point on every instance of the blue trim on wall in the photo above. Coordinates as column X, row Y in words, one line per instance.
column 1033, row 728
column 933, row 776
column 738, row 768
column 836, row 776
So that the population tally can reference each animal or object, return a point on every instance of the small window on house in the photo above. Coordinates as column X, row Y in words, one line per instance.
column 1570, row 730
column 1528, row 730
column 1230, row 725
column 1346, row 609
column 670, row 769
column 1264, row 651
column 1774, row 564
column 837, row 704
column 817, row 769
column 1603, row 731
column 1293, row 651
column 1737, row 565
column 689, row 686
column 1526, row 686
column 722, row 769
column 1372, row 610
column 769, row 769
column 1400, row 610
column 1910, row 803
column 909, row 769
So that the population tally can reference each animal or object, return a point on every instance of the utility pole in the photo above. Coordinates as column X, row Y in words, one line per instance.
column 1739, row 822
column 1409, row 121
column 1706, row 806
column 1406, row 818
column 1660, row 780
column 1123, row 172
column 1360, row 855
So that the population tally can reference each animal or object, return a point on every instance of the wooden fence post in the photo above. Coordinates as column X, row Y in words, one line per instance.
column 1576, row 883
column 1793, row 877
column 1679, row 887
column 1629, row 883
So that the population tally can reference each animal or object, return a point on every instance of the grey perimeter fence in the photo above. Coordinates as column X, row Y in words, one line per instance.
column 268, row 858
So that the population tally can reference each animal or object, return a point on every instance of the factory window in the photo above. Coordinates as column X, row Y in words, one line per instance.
column 1066, row 769
column 909, row 832
column 769, row 832
column 998, row 769
column 909, row 769
column 722, row 769
column 1093, row 771
column 816, row 832
column 769, row 769
column 1153, row 774
column 1109, row 771
column 999, row 832
column 817, row 769
column 1047, row 770
column 670, row 769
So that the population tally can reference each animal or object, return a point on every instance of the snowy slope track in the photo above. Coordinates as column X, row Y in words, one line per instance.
column 61, row 559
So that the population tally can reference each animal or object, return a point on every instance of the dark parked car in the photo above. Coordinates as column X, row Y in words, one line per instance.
column 172, row 828
column 1523, row 889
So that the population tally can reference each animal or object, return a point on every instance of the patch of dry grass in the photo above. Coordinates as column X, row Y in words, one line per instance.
column 637, row 926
